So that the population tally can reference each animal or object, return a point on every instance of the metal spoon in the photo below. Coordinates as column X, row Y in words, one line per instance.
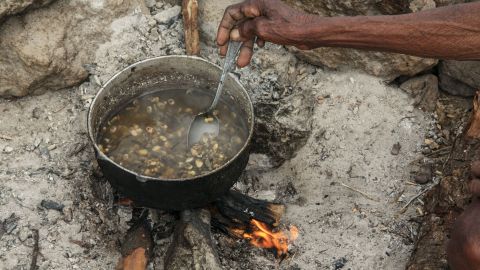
column 206, row 122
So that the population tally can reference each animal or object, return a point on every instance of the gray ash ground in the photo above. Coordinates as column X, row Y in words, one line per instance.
column 332, row 128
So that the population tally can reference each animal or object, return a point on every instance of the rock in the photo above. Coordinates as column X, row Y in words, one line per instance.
column 8, row 149
column 284, row 126
column 367, row 7
column 47, row 48
column 424, row 175
column 396, row 149
column 424, row 90
column 9, row 224
column 386, row 65
column 284, row 121
column 441, row 3
column 12, row 7
column 391, row 7
column 24, row 233
column 37, row 112
column 52, row 205
column 418, row 5
column 150, row 3
column 339, row 263
column 461, row 78
column 211, row 12
column 167, row 15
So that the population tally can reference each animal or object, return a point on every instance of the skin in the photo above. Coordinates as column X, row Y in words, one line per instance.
column 463, row 250
column 451, row 32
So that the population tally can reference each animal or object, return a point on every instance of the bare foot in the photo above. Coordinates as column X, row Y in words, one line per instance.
column 464, row 247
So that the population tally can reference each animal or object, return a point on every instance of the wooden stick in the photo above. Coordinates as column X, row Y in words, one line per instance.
column 33, row 264
column 137, row 246
column 192, row 244
column 474, row 126
column 5, row 137
column 190, row 24
column 361, row 192
column 137, row 260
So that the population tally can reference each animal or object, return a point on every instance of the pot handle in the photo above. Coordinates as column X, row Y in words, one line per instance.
column 141, row 179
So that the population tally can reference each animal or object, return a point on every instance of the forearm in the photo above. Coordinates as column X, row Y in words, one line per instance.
column 449, row 33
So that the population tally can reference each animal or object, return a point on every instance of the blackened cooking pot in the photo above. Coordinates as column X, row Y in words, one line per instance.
column 167, row 73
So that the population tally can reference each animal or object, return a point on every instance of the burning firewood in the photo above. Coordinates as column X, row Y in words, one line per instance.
column 234, row 211
column 260, row 235
column 192, row 247
column 136, row 247
column 243, row 217
column 190, row 23
column 474, row 125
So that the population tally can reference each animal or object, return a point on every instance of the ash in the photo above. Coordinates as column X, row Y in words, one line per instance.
column 330, row 128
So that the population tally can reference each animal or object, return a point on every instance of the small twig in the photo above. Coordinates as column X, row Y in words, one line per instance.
column 404, row 208
column 5, row 137
column 411, row 183
column 63, row 107
column 349, row 226
column 361, row 192
column 449, row 157
column 439, row 152
column 407, row 117
column 33, row 265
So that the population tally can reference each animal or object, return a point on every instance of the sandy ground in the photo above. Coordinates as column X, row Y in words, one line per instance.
column 44, row 154
column 353, row 133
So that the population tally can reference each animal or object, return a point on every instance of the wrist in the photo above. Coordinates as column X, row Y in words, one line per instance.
column 338, row 31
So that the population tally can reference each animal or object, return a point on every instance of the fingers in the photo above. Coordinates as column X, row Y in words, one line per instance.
column 474, row 187
column 474, row 184
column 246, row 53
column 223, row 50
column 230, row 17
column 233, row 15
column 475, row 169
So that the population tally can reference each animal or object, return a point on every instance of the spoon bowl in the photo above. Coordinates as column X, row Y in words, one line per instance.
column 206, row 122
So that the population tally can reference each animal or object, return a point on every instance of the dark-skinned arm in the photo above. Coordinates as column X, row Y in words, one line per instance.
column 451, row 32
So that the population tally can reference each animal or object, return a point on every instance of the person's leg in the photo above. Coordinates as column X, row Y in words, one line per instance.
column 464, row 247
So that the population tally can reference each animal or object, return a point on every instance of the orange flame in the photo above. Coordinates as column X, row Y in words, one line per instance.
column 262, row 237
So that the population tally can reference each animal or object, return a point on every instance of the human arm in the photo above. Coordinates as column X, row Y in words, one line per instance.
column 451, row 32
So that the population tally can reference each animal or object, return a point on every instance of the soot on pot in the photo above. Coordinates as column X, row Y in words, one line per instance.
column 148, row 135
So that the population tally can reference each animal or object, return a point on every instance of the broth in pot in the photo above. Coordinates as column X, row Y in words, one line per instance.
column 148, row 135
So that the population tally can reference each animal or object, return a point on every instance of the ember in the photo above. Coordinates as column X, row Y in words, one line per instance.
column 261, row 236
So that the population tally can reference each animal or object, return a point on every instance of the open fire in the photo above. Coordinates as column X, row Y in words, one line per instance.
column 263, row 237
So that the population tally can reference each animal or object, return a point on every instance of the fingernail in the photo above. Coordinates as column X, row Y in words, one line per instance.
column 235, row 35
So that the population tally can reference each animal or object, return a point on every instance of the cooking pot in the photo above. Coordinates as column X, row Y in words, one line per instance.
column 168, row 73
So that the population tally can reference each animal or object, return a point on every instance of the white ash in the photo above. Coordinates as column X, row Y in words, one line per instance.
column 305, row 100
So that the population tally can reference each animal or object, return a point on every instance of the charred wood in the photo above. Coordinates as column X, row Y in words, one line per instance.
column 233, row 212
column 192, row 244
column 137, row 246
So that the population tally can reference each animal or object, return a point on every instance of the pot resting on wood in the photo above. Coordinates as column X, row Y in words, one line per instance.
column 168, row 73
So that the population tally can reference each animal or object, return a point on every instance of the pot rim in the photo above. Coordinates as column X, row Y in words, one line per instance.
column 143, row 178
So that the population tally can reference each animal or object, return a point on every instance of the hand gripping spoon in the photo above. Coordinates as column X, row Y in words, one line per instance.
column 206, row 122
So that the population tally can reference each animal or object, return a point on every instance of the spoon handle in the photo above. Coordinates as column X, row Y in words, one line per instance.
column 230, row 59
